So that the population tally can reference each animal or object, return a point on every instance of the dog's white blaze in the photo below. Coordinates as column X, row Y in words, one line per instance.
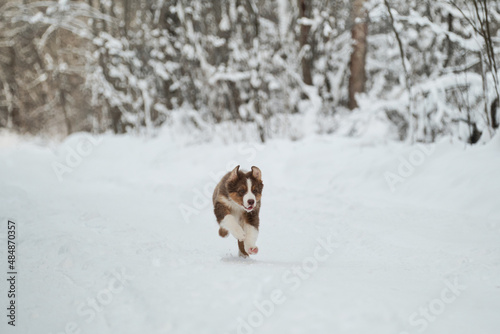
column 251, row 237
column 231, row 223
column 249, row 194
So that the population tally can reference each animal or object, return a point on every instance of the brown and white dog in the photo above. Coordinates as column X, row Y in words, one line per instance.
column 236, row 206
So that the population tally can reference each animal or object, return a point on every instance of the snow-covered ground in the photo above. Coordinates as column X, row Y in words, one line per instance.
column 117, row 235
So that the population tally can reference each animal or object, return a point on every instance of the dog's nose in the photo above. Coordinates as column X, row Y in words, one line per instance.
column 251, row 202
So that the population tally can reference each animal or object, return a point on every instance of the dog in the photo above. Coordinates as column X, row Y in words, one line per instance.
column 237, row 200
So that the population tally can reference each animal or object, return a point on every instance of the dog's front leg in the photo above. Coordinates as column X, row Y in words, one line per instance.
column 251, row 239
column 230, row 223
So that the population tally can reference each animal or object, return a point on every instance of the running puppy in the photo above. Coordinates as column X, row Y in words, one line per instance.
column 236, row 206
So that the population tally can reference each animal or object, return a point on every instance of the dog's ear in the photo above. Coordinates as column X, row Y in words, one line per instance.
column 234, row 173
column 256, row 173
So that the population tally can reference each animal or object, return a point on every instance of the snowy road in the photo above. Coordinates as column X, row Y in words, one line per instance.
column 126, row 241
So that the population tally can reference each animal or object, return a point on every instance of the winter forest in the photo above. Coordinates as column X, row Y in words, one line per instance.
column 249, row 166
column 419, row 69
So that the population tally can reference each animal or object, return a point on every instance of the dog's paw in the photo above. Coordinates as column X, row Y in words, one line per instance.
column 253, row 250
column 223, row 232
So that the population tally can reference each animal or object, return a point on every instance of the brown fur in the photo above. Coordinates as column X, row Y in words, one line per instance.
column 233, row 186
column 222, row 232
column 241, row 247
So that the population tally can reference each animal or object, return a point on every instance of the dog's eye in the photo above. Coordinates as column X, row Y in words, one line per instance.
column 241, row 192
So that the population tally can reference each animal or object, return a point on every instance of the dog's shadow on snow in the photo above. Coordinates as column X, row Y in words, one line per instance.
column 242, row 260
column 237, row 259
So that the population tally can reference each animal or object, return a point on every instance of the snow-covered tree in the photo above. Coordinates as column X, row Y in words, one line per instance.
column 277, row 67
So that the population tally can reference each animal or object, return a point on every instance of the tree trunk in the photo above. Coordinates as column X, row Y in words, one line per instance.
column 304, row 45
column 61, row 84
column 358, row 56
column 126, row 16
column 449, row 44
